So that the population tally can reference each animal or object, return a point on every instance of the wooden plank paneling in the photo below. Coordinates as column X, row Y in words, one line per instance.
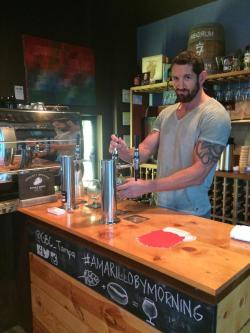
column 38, row 327
column 62, row 304
column 246, row 328
column 53, row 316
column 234, row 310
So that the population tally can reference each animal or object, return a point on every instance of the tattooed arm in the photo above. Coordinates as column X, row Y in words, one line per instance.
column 208, row 153
column 205, row 156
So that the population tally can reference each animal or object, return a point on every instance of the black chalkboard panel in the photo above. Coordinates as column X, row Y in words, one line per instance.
column 35, row 184
column 159, row 305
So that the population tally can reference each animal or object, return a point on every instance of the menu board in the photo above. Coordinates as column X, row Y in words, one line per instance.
column 158, row 304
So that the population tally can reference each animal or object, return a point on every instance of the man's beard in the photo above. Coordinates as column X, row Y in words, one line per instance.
column 188, row 97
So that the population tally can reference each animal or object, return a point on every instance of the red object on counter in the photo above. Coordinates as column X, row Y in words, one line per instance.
column 160, row 238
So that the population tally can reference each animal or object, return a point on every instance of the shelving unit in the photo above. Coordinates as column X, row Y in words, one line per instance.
column 137, row 112
column 243, row 75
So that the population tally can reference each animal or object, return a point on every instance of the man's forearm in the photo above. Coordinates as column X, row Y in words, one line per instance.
column 191, row 176
column 128, row 155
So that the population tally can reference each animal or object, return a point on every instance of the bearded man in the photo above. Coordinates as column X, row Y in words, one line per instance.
column 188, row 138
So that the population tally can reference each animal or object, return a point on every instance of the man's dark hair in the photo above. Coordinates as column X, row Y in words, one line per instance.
column 189, row 58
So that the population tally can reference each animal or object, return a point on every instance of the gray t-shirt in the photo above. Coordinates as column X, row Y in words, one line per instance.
column 209, row 122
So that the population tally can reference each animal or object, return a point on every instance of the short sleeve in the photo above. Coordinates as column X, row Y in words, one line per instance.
column 215, row 126
column 157, row 123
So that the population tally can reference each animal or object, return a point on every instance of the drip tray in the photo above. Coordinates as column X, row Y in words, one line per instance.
column 136, row 218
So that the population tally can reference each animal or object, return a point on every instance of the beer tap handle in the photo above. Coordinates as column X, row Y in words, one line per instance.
column 136, row 159
column 77, row 148
column 115, row 153
column 26, row 156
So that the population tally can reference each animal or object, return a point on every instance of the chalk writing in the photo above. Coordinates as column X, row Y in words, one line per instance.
column 117, row 293
column 47, row 254
column 47, row 240
column 44, row 238
column 90, row 278
column 161, row 306
column 63, row 249
column 146, row 287
column 150, row 310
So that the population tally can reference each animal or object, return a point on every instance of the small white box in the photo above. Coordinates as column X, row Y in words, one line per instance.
column 56, row 210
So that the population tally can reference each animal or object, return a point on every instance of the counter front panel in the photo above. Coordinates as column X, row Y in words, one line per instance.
column 160, row 305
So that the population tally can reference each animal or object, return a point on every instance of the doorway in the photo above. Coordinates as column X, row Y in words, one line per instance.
column 92, row 145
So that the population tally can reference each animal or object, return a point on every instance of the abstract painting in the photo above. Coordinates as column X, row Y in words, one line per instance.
column 58, row 73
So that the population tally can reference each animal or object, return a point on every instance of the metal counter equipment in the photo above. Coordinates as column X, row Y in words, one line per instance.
column 108, row 192
column 68, row 183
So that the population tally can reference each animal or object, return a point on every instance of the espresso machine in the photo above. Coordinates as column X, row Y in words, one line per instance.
column 25, row 134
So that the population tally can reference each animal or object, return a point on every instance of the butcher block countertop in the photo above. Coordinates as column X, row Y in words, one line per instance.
column 211, row 263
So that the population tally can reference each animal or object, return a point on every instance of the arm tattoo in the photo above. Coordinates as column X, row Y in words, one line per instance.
column 208, row 152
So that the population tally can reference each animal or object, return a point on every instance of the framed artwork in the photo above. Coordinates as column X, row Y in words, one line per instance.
column 137, row 99
column 153, row 65
column 125, row 96
column 58, row 73
column 126, row 118
column 126, row 138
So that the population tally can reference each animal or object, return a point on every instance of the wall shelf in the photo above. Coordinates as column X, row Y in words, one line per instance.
column 151, row 88
column 240, row 121
column 242, row 75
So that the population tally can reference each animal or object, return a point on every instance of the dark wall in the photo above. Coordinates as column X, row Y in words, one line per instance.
column 113, row 43
column 170, row 35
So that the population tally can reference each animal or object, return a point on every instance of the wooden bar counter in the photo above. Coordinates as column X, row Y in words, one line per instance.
column 96, row 278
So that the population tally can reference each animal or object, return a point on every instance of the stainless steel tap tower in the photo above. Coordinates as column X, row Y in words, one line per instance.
column 68, row 183
column 108, row 194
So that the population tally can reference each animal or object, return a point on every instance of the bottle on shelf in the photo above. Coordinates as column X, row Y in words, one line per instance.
column 247, row 58
column 78, row 148
column 2, row 102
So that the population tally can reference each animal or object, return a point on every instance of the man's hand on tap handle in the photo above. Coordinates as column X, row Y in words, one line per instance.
column 121, row 146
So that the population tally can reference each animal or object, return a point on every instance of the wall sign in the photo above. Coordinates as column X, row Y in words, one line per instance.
column 157, row 304
column 35, row 184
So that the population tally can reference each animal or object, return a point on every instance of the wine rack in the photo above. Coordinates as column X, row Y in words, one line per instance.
column 230, row 198
column 229, row 195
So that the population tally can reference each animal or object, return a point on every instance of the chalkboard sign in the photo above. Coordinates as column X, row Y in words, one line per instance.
column 161, row 306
